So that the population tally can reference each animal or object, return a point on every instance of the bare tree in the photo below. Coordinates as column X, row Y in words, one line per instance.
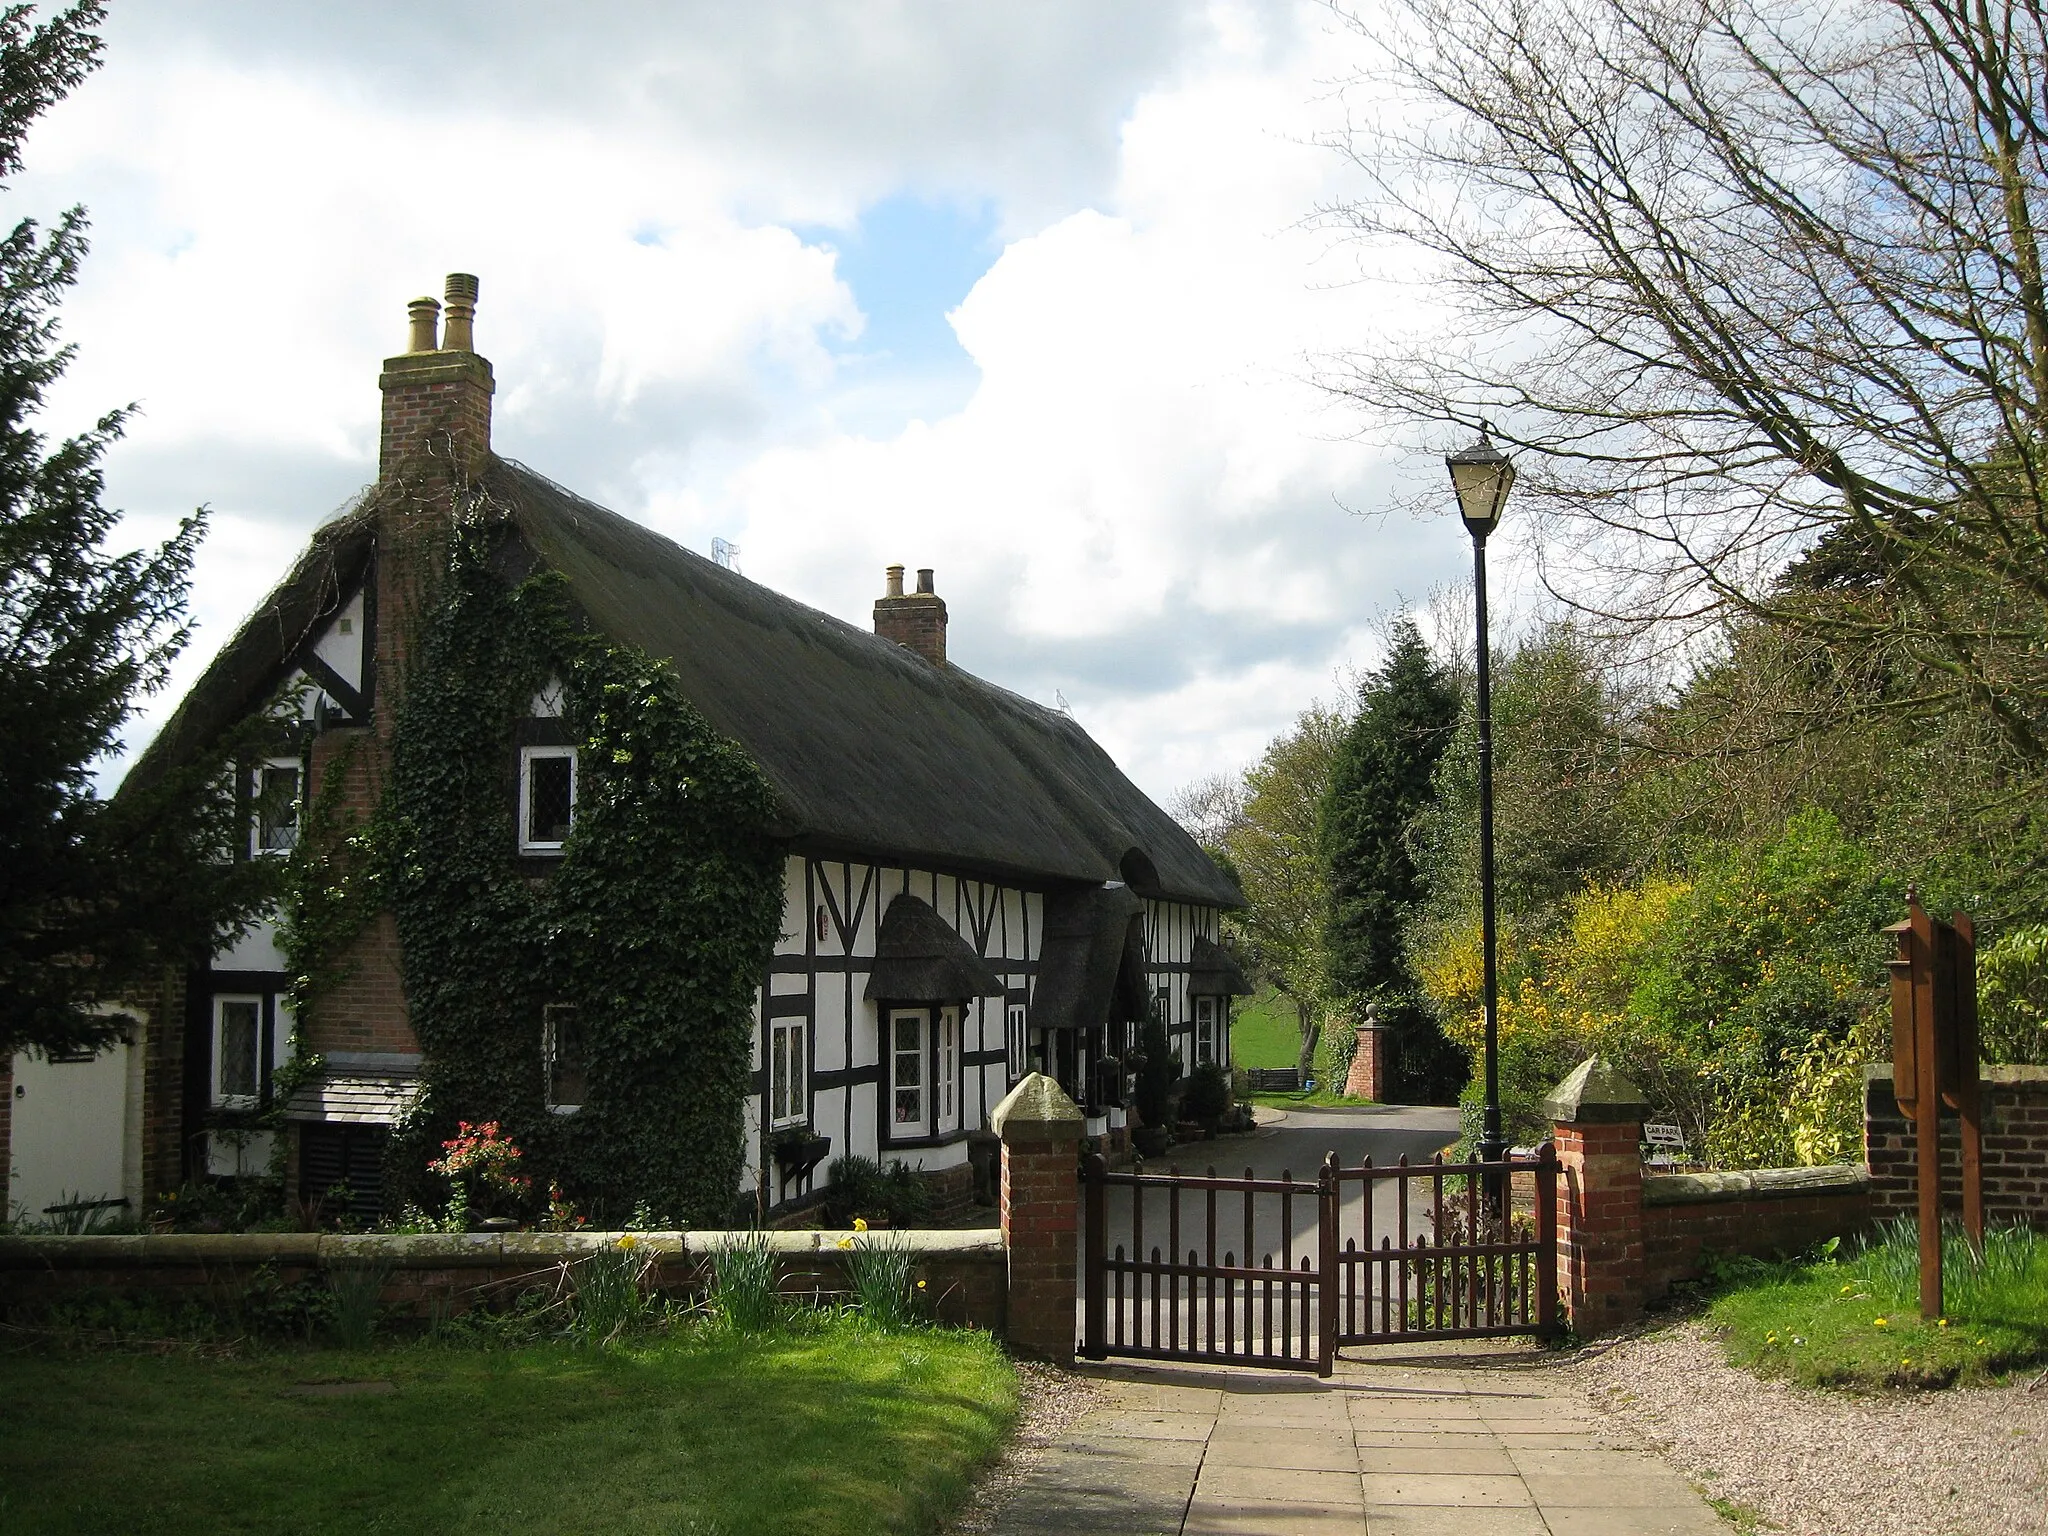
column 1747, row 281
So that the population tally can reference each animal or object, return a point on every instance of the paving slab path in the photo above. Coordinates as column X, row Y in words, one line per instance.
column 1457, row 1440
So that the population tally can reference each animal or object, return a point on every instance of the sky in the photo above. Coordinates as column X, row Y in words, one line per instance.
column 1034, row 295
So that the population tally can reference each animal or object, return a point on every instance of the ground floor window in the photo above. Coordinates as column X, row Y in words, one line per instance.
column 562, row 1048
column 1205, row 1031
column 237, row 1051
column 906, row 1070
column 786, row 1043
column 946, row 1077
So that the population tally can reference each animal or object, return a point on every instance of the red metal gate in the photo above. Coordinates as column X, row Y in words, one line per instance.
column 1449, row 1262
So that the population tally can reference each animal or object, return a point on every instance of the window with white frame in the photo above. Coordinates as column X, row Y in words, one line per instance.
column 279, row 786
column 787, row 1039
column 237, row 1051
column 906, row 1070
column 561, row 1045
column 1205, row 1030
column 1017, row 1041
column 547, row 797
column 946, row 1075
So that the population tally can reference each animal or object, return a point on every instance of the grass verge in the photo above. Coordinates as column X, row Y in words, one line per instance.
column 833, row 1427
column 1855, row 1321
column 1321, row 1098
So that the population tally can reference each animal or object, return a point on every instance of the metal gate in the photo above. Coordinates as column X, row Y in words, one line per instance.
column 1364, row 1255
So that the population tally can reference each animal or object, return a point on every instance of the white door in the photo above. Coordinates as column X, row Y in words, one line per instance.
column 69, row 1132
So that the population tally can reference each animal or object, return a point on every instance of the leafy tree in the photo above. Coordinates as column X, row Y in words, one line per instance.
column 97, row 893
column 1272, row 845
column 1741, row 278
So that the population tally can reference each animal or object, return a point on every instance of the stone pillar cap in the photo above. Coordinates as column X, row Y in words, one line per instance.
column 1596, row 1094
column 1037, row 1109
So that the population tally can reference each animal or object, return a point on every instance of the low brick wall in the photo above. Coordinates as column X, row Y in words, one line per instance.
column 1762, row 1212
column 965, row 1272
column 2015, row 1105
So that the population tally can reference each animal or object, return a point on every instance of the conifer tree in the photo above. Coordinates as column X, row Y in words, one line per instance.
column 1407, row 715
column 95, row 894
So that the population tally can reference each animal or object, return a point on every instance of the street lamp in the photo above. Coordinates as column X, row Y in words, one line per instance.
column 1481, row 475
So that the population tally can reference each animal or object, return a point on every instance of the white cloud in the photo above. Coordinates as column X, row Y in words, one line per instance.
column 1142, row 504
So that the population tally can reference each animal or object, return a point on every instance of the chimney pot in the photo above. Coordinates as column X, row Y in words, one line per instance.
column 425, row 315
column 893, row 581
column 460, row 334
column 924, row 578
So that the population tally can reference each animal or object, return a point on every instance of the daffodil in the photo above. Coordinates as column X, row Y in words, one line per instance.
column 846, row 1242
column 860, row 1223
column 628, row 1242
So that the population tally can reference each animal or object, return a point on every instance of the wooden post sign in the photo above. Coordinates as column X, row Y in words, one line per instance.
column 1934, row 1062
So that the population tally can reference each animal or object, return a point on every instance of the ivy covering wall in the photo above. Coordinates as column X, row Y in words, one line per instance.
column 657, row 922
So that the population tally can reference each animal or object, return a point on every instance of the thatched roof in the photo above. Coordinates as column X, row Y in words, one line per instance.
column 1213, row 969
column 870, row 749
column 1091, row 967
column 920, row 959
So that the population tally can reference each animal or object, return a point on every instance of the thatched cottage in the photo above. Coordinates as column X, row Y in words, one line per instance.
column 969, row 888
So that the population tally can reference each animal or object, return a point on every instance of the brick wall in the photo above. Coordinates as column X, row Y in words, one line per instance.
column 2015, row 1108
column 1765, row 1213
column 963, row 1272
column 163, row 1089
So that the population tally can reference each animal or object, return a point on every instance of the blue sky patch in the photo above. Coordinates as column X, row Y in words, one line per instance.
column 908, row 261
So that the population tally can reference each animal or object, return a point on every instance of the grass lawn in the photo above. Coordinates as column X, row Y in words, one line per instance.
column 1265, row 1032
column 824, row 1429
column 1855, row 1321
column 1321, row 1098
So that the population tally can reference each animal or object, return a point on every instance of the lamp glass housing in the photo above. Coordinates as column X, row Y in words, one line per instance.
column 1482, row 476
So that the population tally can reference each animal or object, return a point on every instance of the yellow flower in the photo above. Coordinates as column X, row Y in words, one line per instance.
column 628, row 1242
column 1941, row 1322
column 1847, row 1289
column 1880, row 1322
column 846, row 1242
column 1905, row 1360
column 1982, row 1342
column 860, row 1223
column 920, row 1285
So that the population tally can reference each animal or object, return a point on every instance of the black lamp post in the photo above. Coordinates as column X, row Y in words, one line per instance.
column 1481, row 475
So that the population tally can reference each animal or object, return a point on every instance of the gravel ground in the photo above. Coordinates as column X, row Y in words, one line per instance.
column 1049, row 1400
column 1965, row 1462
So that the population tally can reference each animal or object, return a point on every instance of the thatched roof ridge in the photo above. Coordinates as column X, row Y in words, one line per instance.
column 1215, row 969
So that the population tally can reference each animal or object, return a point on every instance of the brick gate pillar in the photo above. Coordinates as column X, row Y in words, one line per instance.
column 1041, row 1131
column 1598, row 1118
column 1368, row 1076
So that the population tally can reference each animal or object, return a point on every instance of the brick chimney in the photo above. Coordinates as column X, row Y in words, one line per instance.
column 916, row 622
column 437, row 393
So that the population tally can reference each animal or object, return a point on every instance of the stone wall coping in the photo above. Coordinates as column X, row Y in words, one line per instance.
column 1881, row 1072
column 452, row 1250
column 1596, row 1093
column 1754, row 1184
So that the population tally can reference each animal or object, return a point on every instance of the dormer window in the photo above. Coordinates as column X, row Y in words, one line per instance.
column 274, row 829
column 547, row 798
